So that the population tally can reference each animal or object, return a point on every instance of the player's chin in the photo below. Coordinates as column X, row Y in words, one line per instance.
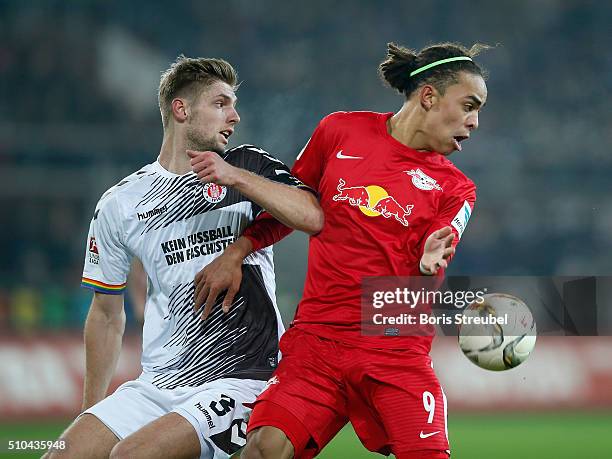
column 219, row 147
column 221, row 144
column 450, row 147
column 223, row 140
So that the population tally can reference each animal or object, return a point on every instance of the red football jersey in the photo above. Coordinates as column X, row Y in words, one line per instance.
column 381, row 201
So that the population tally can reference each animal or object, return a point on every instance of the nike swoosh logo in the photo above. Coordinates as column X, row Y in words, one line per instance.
column 340, row 155
column 424, row 435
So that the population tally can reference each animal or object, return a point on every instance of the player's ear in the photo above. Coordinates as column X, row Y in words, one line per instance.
column 179, row 110
column 428, row 96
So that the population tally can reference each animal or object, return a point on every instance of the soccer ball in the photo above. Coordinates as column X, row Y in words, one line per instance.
column 498, row 333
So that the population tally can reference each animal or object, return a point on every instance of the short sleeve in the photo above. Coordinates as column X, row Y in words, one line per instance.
column 273, row 169
column 454, row 211
column 310, row 163
column 107, row 261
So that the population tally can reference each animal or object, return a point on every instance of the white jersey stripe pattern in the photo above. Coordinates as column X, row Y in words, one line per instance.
column 176, row 225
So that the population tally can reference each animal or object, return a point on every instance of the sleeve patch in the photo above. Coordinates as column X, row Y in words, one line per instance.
column 460, row 220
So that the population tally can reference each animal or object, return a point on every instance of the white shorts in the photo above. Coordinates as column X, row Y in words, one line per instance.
column 215, row 410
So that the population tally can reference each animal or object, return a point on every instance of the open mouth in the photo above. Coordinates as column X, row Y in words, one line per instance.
column 226, row 133
column 458, row 139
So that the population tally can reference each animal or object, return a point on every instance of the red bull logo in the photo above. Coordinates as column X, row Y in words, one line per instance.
column 373, row 201
column 356, row 195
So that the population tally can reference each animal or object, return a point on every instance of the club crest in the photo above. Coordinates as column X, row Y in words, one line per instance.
column 423, row 181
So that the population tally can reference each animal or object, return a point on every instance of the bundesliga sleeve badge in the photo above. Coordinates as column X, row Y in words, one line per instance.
column 460, row 220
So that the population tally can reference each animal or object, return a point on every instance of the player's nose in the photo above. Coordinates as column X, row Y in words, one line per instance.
column 472, row 121
column 233, row 117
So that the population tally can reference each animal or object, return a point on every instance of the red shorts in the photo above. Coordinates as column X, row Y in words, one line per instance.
column 392, row 398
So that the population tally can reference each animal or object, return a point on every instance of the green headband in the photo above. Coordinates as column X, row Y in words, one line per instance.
column 440, row 62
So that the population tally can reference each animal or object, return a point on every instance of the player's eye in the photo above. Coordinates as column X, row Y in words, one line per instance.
column 219, row 103
column 468, row 107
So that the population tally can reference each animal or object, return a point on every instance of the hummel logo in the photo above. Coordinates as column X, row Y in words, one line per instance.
column 339, row 155
column 150, row 213
column 424, row 435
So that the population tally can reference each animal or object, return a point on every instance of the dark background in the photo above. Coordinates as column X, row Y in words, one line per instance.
column 78, row 112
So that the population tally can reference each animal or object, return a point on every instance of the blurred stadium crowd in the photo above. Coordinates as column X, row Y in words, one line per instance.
column 78, row 90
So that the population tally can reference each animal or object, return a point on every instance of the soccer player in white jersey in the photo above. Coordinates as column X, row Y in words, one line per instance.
column 196, row 374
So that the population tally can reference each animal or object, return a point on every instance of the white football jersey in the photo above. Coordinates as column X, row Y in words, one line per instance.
column 176, row 225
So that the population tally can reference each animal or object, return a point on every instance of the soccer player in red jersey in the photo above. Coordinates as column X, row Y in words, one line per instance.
column 394, row 205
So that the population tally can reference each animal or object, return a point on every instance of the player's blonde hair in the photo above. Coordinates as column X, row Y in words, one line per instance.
column 187, row 76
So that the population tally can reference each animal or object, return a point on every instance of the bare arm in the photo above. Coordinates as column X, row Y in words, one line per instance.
column 296, row 208
column 223, row 273
column 103, row 334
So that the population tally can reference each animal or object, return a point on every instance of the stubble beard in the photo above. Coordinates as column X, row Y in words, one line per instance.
column 197, row 142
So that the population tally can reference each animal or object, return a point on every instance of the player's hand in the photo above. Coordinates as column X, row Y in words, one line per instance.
column 211, row 168
column 223, row 273
column 438, row 249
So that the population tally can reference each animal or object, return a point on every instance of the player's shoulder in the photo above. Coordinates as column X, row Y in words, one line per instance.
column 127, row 185
column 350, row 118
column 456, row 178
column 247, row 154
column 246, row 149
column 344, row 116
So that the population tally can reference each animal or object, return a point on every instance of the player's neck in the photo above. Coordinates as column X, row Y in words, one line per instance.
column 173, row 155
column 404, row 127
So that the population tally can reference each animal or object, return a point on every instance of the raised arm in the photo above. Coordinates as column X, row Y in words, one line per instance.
column 225, row 272
column 293, row 206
